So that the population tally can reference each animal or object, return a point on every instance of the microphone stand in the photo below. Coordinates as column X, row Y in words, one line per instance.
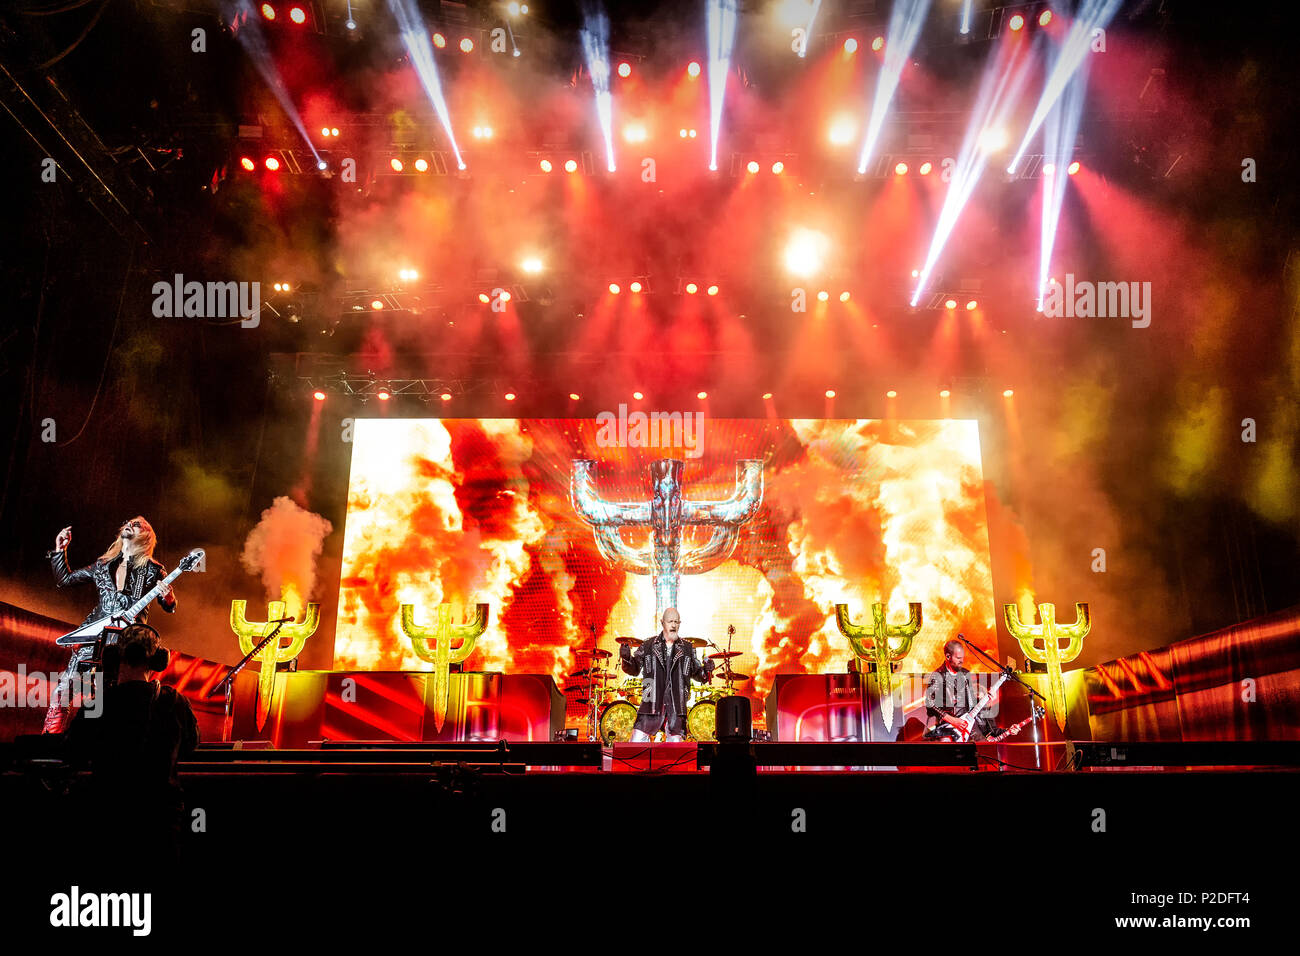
column 227, row 683
column 1014, row 675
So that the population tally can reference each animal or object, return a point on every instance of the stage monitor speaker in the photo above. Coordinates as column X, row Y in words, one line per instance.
column 734, row 722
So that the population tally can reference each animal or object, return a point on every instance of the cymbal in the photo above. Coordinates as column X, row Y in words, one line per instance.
column 634, row 641
column 696, row 641
column 721, row 654
column 600, row 653
column 580, row 700
column 733, row 677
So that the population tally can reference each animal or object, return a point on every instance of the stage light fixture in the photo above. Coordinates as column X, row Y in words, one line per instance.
column 778, row 168
column 439, row 41
column 842, row 130
column 805, row 251
column 383, row 395
column 272, row 163
column 916, row 273
column 891, row 394
column 823, row 296
column 993, row 139
column 279, row 287
column 878, row 44
column 570, row 166
column 1045, row 18
column 850, row 45
column 545, row 165
column 1072, row 168
column 682, row 132
column 483, row 297
column 325, row 131
column 512, row 8
column 318, row 395
column 574, row 396
column 396, row 164
column 971, row 305
column 635, row 287
column 509, row 396
column 322, row 165
column 692, row 69
column 900, row 169
column 614, row 288
column 712, row 290
column 944, row 393
column 466, row 45
column 1049, row 168
column 532, row 265
column 505, row 296
column 1016, row 22
column 634, row 133
column 445, row 396
column 334, row 130
column 844, row 297
column 247, row 163
column 925, row 169
column 752, row 166
column 376, row 304
column 637, row 396
column 767, row 396
column 692, row 288
column 421, row 165
column 625, row 70
column 1007, row 393
column 268, row 11
column 830, row 393
column 298, row 15
column 950, row 304
column 701, row 395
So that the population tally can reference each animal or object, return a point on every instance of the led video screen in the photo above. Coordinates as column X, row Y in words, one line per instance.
column 573, row 530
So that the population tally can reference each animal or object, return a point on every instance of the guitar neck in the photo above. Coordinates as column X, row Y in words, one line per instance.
column 134, row 610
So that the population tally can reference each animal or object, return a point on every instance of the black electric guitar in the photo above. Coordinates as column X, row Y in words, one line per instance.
column 89, row 632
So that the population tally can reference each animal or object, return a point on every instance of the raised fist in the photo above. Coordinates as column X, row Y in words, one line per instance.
column 64, row 539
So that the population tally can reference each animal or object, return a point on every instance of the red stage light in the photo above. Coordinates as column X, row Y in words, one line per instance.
column 1073, row 168
column 878, row 44
column 383, row 395
column 635, row 287
column 396, row 164
column 614, row 289
column 510, row 396
column 1016, row 22
column 439, row 40
column 701, row 395
column 268, row 11
column 692, row 69
column 445, row 396
column 1045, row 18
column 1049, row 168
column 505, row 296
column 248, row 163
column 692, row 288
column 483, row 297
column 318, row 395
column 298, row 15
column 778, row 168
column 944, row 393
column 752, row 166
column 272, row 163
column 638, row 396
column 570, row 165
column 844, row 297
column 830, row 393
column 546, row 165
column 467, row 45
column 713, row 290
column 376, row 304
column 767, row 396
column 850, row 45
column 891, row 394
column 574, row 396
column 950, row 304
column 625, row 70
column 900, row 169
column 971, row 305
column 1008, row 393
column 422, row 165
column 823, row 296
column 925, row 169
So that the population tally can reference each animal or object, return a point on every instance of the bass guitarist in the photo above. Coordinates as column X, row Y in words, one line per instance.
column 121, row 575
column 950, row 691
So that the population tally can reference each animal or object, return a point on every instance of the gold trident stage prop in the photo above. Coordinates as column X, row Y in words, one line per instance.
column 880, row 649
column 432, row 642
column 1050, row 633
column 251, row 633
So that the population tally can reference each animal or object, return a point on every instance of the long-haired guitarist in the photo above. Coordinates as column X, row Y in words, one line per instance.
column 121, row 575
column 950, row 691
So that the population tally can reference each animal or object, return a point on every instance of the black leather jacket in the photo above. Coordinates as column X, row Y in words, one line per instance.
column 663, row 676
column 103, row 574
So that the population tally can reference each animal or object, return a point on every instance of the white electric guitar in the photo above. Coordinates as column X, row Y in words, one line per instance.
column 89, row 632
column 964, row 725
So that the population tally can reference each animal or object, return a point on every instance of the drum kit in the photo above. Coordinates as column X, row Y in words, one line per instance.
column 612, row 707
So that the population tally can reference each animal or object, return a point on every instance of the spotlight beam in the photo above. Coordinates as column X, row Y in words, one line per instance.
column 807, row 33
column 905, row 22
column 253, row 40
column 595, row 49
column 721, row 28
column 998, row 93
column 415, row 37
column 1059, row 134
column 1092, row 15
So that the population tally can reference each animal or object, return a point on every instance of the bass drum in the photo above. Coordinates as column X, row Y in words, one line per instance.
column 616, row 722
column 702, row 721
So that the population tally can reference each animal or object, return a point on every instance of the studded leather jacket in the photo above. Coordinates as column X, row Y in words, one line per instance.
column 103, row 574
column 663, row 676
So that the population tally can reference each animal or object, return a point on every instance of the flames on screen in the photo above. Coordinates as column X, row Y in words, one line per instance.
column 478, row 511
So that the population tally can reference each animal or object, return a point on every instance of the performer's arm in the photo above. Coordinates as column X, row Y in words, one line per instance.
column 167, row 598
column 631, row 661
column 59, row 563
column 702, row 672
